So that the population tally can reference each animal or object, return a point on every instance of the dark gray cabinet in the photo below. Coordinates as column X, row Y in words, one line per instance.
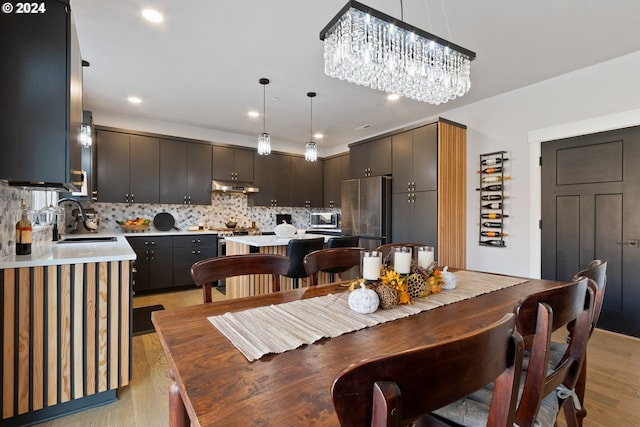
column 185, row 172
column 273, row 178
column 429, row 200
column 41, row 100
column 233, row 164
column 370, row 158
column 335, row 170
column 153, row 264
column 306, row 183
column 189, row 249
column 415, row 160
column 128, row 168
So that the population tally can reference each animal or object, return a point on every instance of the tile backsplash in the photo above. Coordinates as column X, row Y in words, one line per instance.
column 224, row 207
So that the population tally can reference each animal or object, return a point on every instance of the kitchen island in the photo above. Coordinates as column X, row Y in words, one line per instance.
column 66, row 328
column 265, row 244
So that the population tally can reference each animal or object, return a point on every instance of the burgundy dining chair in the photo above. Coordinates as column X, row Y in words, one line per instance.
column 394, row 389
column 331, row 260
column 208, row 271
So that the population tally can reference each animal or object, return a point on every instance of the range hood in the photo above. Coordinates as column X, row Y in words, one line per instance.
column 233, row 187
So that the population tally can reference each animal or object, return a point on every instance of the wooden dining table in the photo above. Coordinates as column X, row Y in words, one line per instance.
column 213, row 384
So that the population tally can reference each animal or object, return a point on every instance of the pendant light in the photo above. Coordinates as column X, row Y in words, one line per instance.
column 311, row 149
column 264, row 139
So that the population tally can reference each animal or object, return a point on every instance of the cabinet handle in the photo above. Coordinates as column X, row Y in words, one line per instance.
column 126, row 198
column 632, row 242
column 152, row 256
column 193, row 252
column 184, row 200
column 146, row 255
column 134, row 270
column 189, row 199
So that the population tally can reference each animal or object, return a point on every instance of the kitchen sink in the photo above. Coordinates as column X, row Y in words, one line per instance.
column 92, row 239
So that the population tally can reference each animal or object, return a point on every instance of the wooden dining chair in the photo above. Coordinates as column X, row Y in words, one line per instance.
column 596, row 272
column 392, row 389
column 209, row 271
column 387, row 250
column 332, row 260
column 544, row 386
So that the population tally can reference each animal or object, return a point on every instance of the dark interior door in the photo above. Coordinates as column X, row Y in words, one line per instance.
column 590, row 209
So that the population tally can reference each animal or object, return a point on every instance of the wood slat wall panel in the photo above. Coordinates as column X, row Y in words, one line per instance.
column 65, row 333
column 64, row 329
column 38, row 338
column 24, row 310
column 9, row 352
column 90, row 323
column 452, row 155
column 52, row 336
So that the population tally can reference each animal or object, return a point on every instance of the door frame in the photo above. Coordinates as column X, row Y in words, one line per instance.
column 535, row 138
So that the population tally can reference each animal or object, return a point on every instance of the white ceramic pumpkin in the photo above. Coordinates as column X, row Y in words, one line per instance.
column 363, row 300
column 448, row 279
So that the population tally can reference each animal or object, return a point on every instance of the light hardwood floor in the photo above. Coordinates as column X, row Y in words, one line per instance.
column 612, row 397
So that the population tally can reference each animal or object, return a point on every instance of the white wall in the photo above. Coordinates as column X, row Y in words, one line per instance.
column 598, row 98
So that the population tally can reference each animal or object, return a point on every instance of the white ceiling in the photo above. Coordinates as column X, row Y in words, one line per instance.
column 201, row 66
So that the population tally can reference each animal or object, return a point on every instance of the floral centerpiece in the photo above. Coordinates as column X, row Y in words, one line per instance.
column 394, row 288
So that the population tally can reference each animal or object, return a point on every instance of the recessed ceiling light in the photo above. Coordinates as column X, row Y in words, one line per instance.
column 152, row 16
column 134, row 100
column 318, row 135
column 253, row 114
column 393, row 97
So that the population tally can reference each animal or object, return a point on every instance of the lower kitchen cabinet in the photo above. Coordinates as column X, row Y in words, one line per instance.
column 164, row 262
column 415, row 218
column 188, row 250
column 154, row 262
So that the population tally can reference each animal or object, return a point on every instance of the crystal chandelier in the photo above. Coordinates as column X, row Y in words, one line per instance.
column 311, row 149
column 367, row 47
column 264, row 139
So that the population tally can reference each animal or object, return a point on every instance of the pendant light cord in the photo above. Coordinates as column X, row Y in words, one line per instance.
column 264, row 108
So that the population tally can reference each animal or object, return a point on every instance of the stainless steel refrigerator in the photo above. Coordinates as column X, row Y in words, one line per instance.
column 366, row 210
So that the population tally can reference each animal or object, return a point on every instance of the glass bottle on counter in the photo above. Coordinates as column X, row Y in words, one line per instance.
column 23, row 232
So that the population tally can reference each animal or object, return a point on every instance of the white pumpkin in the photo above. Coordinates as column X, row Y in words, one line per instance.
column 363, row 300
column 448, row 279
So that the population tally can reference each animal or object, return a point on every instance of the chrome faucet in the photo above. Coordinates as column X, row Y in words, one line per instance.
column 80, row 209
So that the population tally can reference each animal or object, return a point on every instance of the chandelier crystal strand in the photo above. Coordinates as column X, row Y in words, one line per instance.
column 311, row 148
column 369, row 48
column 264, row 139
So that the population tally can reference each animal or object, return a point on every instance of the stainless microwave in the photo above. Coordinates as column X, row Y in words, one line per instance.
column 324, row 220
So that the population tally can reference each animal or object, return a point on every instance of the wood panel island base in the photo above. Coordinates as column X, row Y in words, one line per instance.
column 244, row 286
column 66, row 330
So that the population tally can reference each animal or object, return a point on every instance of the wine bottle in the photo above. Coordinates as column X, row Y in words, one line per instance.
column 492, row 206
column 493, row 161
column 492, row 224
column 492, row 242
column 497, row 187
column 493, row 215
column 495, row 178
column 493, row 234
column 23, row 232
column 495, row 169
column 492, row 197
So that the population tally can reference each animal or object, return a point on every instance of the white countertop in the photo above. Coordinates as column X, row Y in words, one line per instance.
column 54, row 253
column 270, row 240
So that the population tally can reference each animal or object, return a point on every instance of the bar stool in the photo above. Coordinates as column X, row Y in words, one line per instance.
column 297, row 249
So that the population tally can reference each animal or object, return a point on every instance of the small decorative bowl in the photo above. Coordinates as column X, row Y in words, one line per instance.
column 139, row 227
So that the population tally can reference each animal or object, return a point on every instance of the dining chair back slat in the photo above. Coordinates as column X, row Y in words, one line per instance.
column 208, row 271
column 330, row 260
column 391, row 389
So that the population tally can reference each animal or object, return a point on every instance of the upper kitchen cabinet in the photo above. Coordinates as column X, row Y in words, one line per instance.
column 429, row 200
column 370, row 158
column 232, row 164
column 415, row 159
column 185, row 172
column 41, row 101
column 335, row 170
column 273, row 178
column 306, row 183
column 128, row 167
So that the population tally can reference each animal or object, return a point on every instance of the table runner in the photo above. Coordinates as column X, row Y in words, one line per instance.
column 283, row 327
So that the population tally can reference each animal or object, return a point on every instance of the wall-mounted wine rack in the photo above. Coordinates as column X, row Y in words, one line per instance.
column 492, row 199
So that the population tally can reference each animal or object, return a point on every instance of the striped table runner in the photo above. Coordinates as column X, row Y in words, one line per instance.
column 283, row 327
